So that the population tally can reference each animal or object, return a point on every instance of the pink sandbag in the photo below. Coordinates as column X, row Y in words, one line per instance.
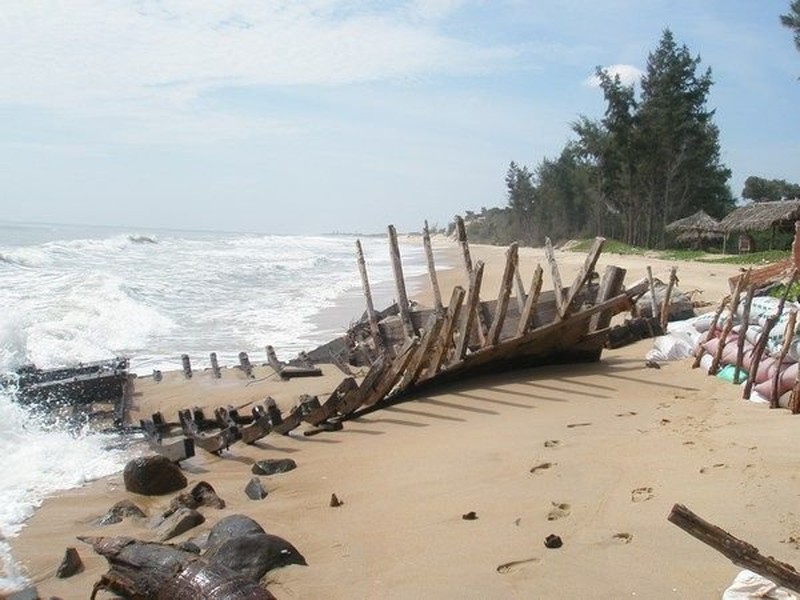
column 786, row 382
column 765, row 369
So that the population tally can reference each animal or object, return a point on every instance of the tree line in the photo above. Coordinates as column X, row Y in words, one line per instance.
column 652, row 158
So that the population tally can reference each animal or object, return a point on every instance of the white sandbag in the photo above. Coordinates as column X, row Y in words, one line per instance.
column 669, row 347
column 752, row 586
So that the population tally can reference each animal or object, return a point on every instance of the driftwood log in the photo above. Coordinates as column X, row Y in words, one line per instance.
column 738, row 551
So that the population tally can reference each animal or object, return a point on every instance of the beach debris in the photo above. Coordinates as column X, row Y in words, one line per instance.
column 541, row 466
column 202, row 494
column 335, row 502
column 573, row 425
column 470, row 516
column 623, row 537
column 271, row 466
column 551, row 443
column 738, row 551
column 510, row 567
column 651, row 364
column 121, row 510
column 153, row 476
column 255, row 489
column 633, row 330
column 232, row 526
column 559, row 511
column 187, row 366
column 178, row 522
column 642, row 494
column 553, row 541
column 215, row 370
column 301, row 367
column 245, row 365
column 70, row 564
column 163, row 572
column 253, row 555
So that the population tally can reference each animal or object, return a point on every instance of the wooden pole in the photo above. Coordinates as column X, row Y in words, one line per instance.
column 426, row 241
column 215, row 365
column 610, row 286
column 788, row 336
column 504, row 294
column 371, row 316
column 461, row 235
column 471, row 310
column 726, row 328
column 738, row 551
column 402, row 296
column 743, row 327
column 424, row 352
column 521, row 295
column 526, row 317
column 710, row 333
column 446, row 336
column 583, row 276
column 653, row 304
column 555, row 275
column 673, row 278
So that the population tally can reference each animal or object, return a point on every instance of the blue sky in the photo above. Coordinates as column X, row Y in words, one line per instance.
column 292, row 116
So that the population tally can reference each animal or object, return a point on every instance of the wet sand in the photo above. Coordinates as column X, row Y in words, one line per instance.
column 595, row 453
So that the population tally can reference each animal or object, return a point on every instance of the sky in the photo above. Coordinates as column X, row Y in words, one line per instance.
column 315, row 116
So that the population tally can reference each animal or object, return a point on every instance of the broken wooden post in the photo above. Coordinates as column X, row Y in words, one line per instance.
column 794, row 400
column 461, row 236
column 709, row 333
column 244, row 363
column 744, row 324
column 504, row 295
column 426, row 242
column 554, row 274
column 788, row 336
column 187, row 366
column 521, row 295
column 371, row 316
column 470, row 311
column 391, row 376
column 526, row 315
column 726, row 328
column 653, row 304
column 673, row 278
column 215, row 371
column 583, row 276
column 402, row 296
column 446, row 335
column 738, row 551
column 423, row 352
column 272, row 360
column 610, row 286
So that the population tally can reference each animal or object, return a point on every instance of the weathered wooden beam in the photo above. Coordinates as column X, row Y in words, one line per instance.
column 272, row 360
column 743, row 327
column 583, row 276
column 470, row 311
column 554, row 274
column 426, row 242
column 330, row 407
column 461, row 236
column 709, row 333
column 737, row 551
column 446, row 336
column 521, row 296
column 653, row 304
column 512, row 255
column 528, row 311
column 722, row 340
column 355, row 398
column 610, row 286
column 673, row 277
column 788, row 336
column 215, row 371
column 371, row 316
column 424, row 352
column 390, row 378
column 400, row 283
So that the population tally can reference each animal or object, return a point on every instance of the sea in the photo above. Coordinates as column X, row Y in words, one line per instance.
column 72, row 294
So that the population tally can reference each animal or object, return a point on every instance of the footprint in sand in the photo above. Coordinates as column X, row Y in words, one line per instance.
column 642, row 494
column 542, row 466
column 559, row 511
column 551, row 443
column 514, row 565
column 630, row 413
column 623, row 537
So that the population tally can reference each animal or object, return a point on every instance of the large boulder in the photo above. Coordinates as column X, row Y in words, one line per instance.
column 153, row 476
column 232, row 526
column 255, row 554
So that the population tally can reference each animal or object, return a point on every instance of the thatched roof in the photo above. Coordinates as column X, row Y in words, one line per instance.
column 699, row 221
column 761, row 216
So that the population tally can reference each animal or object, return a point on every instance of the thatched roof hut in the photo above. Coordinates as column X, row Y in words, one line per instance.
column 699, row 221
column 762, row 216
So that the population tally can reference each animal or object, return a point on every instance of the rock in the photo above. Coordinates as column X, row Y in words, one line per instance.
column 189, row 546
column 121, row 510
column 254, row 489
column 153, row 476
column 553, row 541
column 70, row 564
column 202, row 494
column 335, row 502
column 470, row 516
column 180, row 521
column 255, row 554
column 230, row 527
column 271, row 466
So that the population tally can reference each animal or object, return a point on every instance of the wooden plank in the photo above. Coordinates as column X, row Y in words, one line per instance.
column 445, row 342
column 521, row 296
column 673, row 277
column 385, row 384
column 426, row 242
column 743, row 327
column 583, row 276
column 503, row 296
column 710, row 333
column 330, row 408
column 470, row 311
column 738, row 551
column 610, row 286
column 423, row 353
column 554, row 274
column 788, row 336
column 528, row 311
column 461, row 236
column 371, row 316
column 653, row 304
column 355, row 398
column 400, row 283
column 272, row 360
column 723, row 338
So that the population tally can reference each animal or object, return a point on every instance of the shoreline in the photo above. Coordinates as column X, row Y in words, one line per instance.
column 624, row 443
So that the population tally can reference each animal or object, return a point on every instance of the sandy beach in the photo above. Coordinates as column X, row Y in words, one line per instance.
column 595, row 453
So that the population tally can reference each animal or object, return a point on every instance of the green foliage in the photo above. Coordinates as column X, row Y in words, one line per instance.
column 779, row 290
column 792, row 21
column 759, row 189
column 609, row 247
column 753, row 258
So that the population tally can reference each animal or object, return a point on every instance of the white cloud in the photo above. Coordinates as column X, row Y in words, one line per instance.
column 122, row 56
column 628, row 75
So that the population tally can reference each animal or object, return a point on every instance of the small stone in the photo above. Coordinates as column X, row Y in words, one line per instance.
column 470, row 516
column 254, row 489
column 553, row 541
column 202, row 494
column 153, row 476
column 181, row 521
column 271, row 466
column 335, row 502
column 70, row 565
column 122, row 509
